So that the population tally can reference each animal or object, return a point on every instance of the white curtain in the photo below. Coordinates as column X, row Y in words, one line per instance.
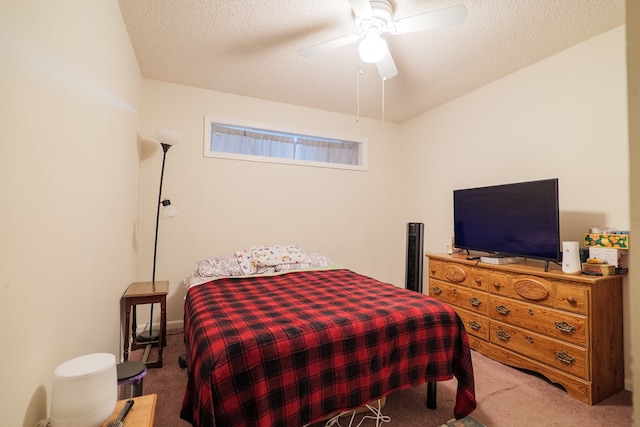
column 244, row 141
column 237, row 140
column 327, row 151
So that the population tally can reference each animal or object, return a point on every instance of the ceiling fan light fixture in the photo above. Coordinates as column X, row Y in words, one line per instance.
column 373, row 48
column 373, row 18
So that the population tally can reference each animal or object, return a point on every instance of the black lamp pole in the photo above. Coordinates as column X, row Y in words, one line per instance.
column 165, row 148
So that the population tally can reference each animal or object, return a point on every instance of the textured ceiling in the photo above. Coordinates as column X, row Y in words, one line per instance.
column 249, row 47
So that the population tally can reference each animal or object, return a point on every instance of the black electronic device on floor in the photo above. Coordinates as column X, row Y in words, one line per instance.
column 415, row 242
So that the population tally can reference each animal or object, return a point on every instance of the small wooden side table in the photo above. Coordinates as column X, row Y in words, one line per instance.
column 141, row 414
column 145, row 293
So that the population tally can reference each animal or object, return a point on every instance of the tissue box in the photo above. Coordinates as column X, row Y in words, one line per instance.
column 618, row 241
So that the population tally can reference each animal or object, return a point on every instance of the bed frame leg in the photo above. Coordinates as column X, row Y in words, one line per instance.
column 431, row 395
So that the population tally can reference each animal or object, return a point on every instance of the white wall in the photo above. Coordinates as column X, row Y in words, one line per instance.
column 563, row 117
column 69, row 184
column 226, row 205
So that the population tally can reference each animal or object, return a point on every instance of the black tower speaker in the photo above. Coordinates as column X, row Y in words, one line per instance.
column 415, row 238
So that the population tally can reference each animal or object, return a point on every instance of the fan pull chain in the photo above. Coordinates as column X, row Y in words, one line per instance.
column 383, row 80
column 358, row 74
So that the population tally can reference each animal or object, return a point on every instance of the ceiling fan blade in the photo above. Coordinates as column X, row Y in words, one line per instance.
column 439, row 18
column 386, row 67
column 362, row 8
column 328, row 45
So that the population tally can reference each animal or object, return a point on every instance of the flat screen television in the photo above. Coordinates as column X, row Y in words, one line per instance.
column 518, row 219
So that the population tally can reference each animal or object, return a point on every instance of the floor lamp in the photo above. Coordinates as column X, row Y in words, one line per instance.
column 167, row 139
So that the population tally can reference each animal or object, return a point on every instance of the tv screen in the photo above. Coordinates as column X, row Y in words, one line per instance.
column 518, row 219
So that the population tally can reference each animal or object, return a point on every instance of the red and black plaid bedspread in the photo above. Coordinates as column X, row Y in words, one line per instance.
column 286, row 350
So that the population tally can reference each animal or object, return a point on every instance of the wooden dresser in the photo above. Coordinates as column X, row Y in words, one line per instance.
column 567, row 327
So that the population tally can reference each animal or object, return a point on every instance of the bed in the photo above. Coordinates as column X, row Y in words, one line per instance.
column 288, row 347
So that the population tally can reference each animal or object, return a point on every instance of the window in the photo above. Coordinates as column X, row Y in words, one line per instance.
column 233, row 139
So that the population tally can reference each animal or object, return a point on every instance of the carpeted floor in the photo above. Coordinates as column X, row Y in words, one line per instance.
column 506, row 397
column 464, row 422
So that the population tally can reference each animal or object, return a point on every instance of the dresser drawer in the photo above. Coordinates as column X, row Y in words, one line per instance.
column 479, row 279
column 572, row 298
column 474, row 323
column 547, row 321
column 560, row 355
column 459, row 274
column 435, row 269
column 498, row 283
column 475, row 301
column 533, row 289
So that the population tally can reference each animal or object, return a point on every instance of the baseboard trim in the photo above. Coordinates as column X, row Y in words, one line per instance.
column 175, row 324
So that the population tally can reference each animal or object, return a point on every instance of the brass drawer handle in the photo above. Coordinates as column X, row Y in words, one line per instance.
column 503, row 335
column 475, row 302
column 565, row 327
column 502, row 309
column 437, row 290
column 564, row 357
column 474, row 325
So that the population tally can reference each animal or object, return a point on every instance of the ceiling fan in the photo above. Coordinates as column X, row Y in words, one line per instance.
column 374, row 18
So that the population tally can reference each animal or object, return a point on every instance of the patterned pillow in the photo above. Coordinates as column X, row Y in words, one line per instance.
column 253, row 260
column 317, row 260
column 219, row 266
column 270, row 256
column 288, row 267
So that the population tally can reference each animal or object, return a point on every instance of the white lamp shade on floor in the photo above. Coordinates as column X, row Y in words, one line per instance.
column 85, row 391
